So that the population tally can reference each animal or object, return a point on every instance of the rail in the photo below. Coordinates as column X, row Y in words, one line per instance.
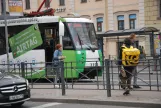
column 106, row 75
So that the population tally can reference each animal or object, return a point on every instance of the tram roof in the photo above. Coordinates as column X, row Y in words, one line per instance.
column 142, row 31
column 13, row 20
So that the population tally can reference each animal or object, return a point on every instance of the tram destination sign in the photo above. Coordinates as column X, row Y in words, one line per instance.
column 25, row 41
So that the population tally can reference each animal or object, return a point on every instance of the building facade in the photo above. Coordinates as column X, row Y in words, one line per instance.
column 124, row 14
column 91, row 9
column 153, row 19
column 153, row 13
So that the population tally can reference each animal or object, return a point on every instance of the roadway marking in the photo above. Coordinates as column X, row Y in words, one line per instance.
column 47, row 105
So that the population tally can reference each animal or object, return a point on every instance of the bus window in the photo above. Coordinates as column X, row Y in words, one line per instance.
column 67, row 42
column 84, row 35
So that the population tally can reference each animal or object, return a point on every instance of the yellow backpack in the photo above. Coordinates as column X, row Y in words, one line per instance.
column 130, row 56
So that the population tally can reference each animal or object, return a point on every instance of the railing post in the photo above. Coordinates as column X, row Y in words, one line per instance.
column 108, row 85
column 62, row 78
column 160, row 66
column 23, row 69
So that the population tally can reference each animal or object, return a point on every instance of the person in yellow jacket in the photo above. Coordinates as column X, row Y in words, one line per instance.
column 132, row 37
column 126, row 71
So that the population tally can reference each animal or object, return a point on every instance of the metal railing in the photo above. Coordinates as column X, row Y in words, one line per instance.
column 148, row 78
column 58, row 77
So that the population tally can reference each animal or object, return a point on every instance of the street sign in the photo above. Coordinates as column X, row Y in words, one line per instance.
column 15, row 7
column 25, row 41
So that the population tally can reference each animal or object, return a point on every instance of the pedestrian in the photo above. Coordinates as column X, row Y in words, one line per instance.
column 53, row 42
column 142, row 54
column 57, row 58
column 127, row 63
column 48, row 56
column 133, row 40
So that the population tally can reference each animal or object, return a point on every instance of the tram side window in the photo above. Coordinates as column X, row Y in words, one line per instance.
column 67, row 42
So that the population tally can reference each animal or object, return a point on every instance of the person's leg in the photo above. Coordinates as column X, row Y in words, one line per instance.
column 122, row 81
column 135, row 76
column 129, row 71
column 135, row 73
column 129, row 82
column 122, row 78
column 56, row 70
column 128, row 86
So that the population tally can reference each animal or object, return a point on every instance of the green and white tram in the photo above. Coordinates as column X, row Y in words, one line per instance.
column 77, row 36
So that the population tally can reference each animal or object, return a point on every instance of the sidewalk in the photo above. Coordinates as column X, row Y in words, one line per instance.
column 137, row 98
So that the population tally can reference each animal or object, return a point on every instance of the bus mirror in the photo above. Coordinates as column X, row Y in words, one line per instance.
column 61, row 29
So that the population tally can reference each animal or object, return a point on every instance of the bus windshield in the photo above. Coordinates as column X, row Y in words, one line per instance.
column 83, row 35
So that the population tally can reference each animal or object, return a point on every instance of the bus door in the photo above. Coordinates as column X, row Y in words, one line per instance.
column 51, row 40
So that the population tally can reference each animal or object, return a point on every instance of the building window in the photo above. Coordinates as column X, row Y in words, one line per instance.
column 62, row 3
column 27, row 4
column 47, row 3
column 132, row 21
column 120, row 19
column 99, row 24
column 83, row 1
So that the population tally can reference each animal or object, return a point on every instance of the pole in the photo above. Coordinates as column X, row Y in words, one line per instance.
column 6, row 33
column 108, row 85
column 41, row 6
column 23, row 69
column 62, row 78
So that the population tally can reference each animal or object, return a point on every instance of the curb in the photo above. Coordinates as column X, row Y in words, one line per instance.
column 97, row 102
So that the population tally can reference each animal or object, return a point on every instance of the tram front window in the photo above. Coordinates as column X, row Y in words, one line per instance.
column 83, row 35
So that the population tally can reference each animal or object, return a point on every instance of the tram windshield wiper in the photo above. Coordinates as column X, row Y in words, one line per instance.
column 80, row 41
column 89, row 46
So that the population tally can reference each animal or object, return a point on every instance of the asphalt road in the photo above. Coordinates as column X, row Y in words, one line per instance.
column 63, row 105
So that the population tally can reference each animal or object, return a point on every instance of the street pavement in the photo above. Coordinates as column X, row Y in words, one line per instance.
column 30, row 104
column 136, row 98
